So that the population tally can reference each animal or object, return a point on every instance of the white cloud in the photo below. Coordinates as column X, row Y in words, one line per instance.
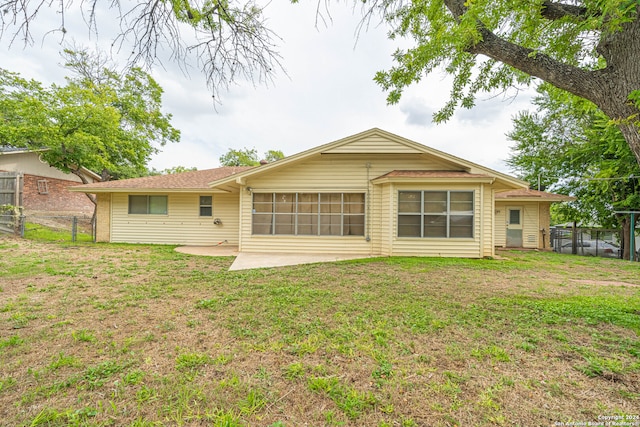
column 328, row 93
column 418, row 113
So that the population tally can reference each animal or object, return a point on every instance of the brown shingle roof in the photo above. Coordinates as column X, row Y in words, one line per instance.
column 529, row 193
column 196, row 180
column 431, row 174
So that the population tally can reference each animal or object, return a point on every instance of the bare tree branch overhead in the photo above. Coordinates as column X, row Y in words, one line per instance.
column 227, row 39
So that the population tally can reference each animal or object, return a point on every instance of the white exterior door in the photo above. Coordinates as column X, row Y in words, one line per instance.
column 514, row 227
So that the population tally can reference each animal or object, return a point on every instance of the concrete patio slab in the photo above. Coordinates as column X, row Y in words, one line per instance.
column 248, row 260
column 220, row 250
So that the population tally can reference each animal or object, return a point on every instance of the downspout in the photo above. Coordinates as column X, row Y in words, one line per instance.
column 483, row 224
column 393, row 219
column 111, row 221
column 241, row 215
column 368, row 202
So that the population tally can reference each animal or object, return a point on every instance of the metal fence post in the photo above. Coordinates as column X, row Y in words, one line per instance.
column 21, row 225
column 74, row 228
column 632, row 238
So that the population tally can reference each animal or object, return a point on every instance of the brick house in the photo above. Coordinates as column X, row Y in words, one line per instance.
column 45, row 188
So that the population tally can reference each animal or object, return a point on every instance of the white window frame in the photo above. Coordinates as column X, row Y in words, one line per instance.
column 320, row 215
column 201, row 205
column 448, row 214
column 149, row 205
column 43, row 186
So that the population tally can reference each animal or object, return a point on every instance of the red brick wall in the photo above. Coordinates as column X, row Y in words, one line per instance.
column 57, row 198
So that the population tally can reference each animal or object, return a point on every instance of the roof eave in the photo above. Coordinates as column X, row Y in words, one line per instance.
column 95, row 190
column 91, row 173
column 238, row 178
column 535, row 199
column 430, row 180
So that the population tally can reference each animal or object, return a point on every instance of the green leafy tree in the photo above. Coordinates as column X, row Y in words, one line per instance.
column 570, row 146
column 177, row 169
column 99, row 120
column 248, row 157
column 273, row 155
column 587, row 48
column 241, row 157
column 170, row 171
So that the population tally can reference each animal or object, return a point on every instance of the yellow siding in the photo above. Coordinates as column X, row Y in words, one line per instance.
column 533, row 220
column 373, row 144
column 181, row 226
column 530, row 225
column 448, row 248
column 387, row 218
column 103, row 217
column 307, row 244
column 338, row 173
column 411, row 246
column 488, row 216
column 500, row 228
column 544, row 214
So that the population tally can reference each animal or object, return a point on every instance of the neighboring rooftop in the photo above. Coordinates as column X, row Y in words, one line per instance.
column 10, row 149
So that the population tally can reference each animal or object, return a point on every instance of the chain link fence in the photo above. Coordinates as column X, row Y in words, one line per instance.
column 55, row 227
column 586, row 241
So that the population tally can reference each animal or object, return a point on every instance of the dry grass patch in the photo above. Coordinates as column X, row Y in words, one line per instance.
column 136, row 335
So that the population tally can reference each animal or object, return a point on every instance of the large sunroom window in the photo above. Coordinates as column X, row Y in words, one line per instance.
column 309, row 214
column 436, row 214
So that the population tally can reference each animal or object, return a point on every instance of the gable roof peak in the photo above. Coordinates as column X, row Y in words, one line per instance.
column 377, row 141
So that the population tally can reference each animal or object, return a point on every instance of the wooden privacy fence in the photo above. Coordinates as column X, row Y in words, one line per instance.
column 11, row 187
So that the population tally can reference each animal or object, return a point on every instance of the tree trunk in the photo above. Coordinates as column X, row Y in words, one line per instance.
column 91, row 197
column 625, row 246
column 608, row 88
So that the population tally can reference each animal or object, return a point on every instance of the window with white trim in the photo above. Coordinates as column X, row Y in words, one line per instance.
column 309, row 214
column 436, row 214
column 206, row 205
column 148, row 205
column 43, row 186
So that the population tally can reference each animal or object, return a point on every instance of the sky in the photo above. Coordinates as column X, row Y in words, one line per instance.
column 326, row 94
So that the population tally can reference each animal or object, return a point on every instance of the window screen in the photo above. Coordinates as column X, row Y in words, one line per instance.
column 309, row 214
column 437, row 214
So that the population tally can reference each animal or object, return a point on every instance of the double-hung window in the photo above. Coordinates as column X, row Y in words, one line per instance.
column 309, row 214
column 206, row 205
column 148, row 205
column 437, row 214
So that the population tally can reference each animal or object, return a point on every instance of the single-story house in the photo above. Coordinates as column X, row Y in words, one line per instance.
column 371, row 193
column 41, row 187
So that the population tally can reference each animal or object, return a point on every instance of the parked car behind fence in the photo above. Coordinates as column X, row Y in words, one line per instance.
column 593, row 248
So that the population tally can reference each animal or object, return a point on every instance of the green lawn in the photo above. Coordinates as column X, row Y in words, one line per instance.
column 35, row 231
column 138, row 335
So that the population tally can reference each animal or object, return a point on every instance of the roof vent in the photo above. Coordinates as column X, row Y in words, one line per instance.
column 263, row 162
